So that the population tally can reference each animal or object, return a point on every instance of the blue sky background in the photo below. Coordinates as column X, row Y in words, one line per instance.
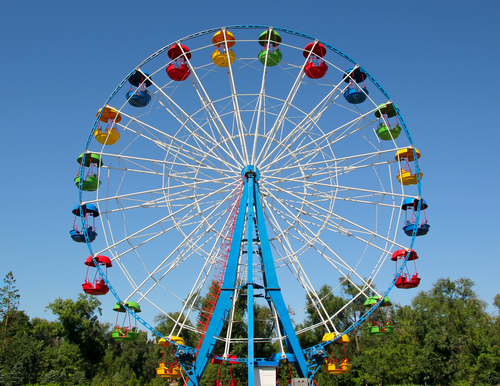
column 60, row 60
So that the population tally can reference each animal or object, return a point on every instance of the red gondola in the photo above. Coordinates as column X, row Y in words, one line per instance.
column 231, row 360
column 406, row 280
column 97, row 285
column 178, row 70
column 316, row 67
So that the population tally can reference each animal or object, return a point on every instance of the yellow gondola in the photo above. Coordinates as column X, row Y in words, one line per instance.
column 111, row 135
column 335, row 366
column 222, row 59
column 223, row 56
column 404, row 157
column 173, row 369
column 407, row 178
column 407, row 154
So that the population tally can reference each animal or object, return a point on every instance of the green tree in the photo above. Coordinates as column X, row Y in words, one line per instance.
column 9, row 297
column 140, row 357
column 9, row 301
column 78, row 323
column 65, row 361
column 20, row 346
column 50, row 377
column 496, row 302
column 451, row 328
column 2, row 376
column 16, row 377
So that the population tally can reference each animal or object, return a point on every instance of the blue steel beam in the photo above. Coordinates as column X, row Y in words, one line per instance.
column 250, row 214
column 274, row 291
column 224, row 302
column 250, row 229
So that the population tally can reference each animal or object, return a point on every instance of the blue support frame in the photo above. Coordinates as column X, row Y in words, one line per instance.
column 250, row 219
column 273, row 290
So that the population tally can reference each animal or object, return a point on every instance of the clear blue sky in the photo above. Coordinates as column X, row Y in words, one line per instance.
column 60, row 60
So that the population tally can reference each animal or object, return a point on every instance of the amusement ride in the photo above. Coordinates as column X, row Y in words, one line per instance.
column 242, row 166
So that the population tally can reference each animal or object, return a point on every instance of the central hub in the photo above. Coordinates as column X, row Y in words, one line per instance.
column 251, row 171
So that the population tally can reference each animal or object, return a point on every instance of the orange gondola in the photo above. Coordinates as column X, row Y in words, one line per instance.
column 223, row 55
column 110, row 136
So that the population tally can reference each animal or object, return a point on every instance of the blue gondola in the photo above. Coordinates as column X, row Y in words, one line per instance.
column 138, row 95
column 77, row 234
column 356, row 92
column 410, row 225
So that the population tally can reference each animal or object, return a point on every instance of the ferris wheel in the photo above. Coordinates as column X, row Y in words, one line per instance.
column 255, row 163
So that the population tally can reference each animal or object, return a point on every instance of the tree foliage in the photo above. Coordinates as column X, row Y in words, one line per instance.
column 446, row 336
column 9, row 296
column 79, row 325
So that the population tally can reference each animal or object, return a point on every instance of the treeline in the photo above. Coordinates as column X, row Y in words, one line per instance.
column 445, row 337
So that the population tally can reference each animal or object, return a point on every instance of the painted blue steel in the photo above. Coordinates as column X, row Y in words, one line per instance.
column 223, row 305
column 295, row 33
column 250, row 237
column 273, row 289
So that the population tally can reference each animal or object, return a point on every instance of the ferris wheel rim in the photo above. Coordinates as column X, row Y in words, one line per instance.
column 278, row 237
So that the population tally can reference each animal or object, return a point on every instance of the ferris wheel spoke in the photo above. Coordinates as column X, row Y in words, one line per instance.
column 326, row 137
column 322, row 165
column 259, row 110
column 301, row 134
column 190, row 118
column 332, row 191
column 183, row 254
column 171, row 217
column 280, row 119
column 180, row 148
column 293, row 264
column 336, row 261
column 337, row 226
column 189, row 301
column 183, row 251
column 192, row 171
column 236, row 108
column 310, row 120
column 177, row 193
column 214, row 116
column 302, row 153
